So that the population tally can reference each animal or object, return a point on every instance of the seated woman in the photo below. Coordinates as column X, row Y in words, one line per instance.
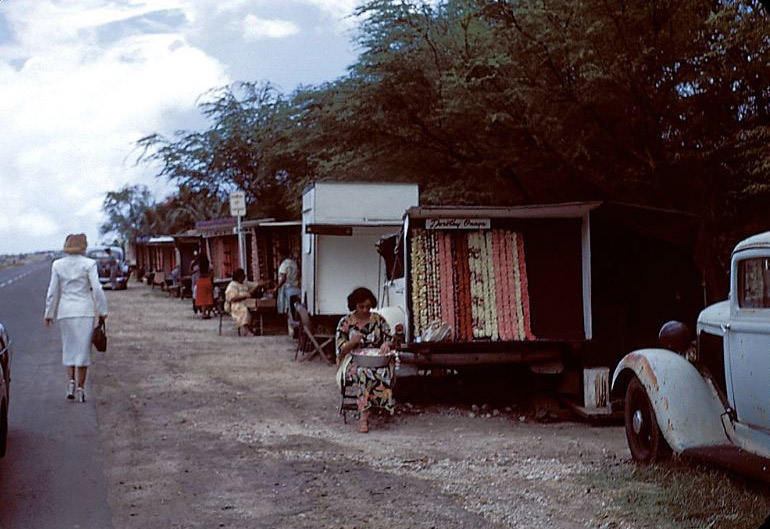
column 363, row 328
column 204, row 289
column 237, row 292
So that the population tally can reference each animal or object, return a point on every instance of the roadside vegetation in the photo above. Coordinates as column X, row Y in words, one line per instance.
column 691, row 495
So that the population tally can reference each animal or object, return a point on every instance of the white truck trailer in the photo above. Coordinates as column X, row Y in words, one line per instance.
column 341, row 224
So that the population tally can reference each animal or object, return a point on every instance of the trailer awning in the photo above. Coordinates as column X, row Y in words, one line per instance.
column 279, row 224
column 165, row 239
column 563, row 210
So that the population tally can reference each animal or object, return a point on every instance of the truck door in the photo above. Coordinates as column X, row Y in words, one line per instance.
column 749, row 342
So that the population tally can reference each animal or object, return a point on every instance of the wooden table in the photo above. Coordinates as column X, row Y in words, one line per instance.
column 258, row 307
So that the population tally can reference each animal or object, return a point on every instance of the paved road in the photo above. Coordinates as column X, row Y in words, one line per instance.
column 52, row 476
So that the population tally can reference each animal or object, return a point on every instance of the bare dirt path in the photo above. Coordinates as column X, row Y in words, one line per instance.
column 202, row 430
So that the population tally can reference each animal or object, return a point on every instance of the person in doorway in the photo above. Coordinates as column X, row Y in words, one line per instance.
column 236, row 293
column 194, row 275
column 74, row 297
column 360, row 329
column 204, row 289
column 112, row 263
column 288, row 281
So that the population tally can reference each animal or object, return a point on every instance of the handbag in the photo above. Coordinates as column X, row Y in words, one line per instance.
column 99, row 338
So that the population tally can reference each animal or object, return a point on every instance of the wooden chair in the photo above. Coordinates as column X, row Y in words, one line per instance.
column 219, row 306
column 348, row 399
column 309, row 343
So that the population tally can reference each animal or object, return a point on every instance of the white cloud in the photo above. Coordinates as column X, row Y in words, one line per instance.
column 82, row 80
column 255, row 28
column 223, row 6
column 76, row 108
column 338, row 9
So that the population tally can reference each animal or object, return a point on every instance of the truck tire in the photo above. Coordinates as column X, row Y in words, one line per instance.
column 645, row 440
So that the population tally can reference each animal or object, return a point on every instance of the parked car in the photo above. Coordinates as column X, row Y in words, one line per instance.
column 5, row 386
column 102, row 257
column 710, row 399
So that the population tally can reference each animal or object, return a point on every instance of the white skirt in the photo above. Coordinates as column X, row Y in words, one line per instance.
column 76, row 341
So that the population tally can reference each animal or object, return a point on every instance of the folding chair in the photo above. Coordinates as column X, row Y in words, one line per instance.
column 310, row 344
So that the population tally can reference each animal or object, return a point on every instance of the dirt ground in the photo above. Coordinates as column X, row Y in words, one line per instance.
column 203, row 431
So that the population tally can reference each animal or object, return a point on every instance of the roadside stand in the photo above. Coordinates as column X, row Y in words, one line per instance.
column 188, row 245
column 563, row 289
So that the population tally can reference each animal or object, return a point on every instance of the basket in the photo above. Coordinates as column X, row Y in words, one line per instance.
column 370, row 358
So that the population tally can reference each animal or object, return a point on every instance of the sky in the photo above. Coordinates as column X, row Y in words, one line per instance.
column 82, row 80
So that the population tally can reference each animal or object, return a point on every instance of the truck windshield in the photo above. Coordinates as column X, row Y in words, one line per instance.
column 754, row 283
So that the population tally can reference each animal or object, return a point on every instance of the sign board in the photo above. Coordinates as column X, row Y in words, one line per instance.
column 457, row 224
column 238, row 204
column 325, row 229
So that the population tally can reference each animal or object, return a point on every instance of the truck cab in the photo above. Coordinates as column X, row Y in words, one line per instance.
column 712, row 401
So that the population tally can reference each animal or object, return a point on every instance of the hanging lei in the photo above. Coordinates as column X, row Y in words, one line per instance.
column 418, row 282
column 477, row 284
column 494, row 331
column 435, row 272
column 524, row 289
column 520, row 333
column 499, row 286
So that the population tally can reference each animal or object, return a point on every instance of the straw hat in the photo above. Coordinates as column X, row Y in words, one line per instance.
column 75, row 243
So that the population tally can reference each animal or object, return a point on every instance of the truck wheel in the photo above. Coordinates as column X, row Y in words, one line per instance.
column 645, row 440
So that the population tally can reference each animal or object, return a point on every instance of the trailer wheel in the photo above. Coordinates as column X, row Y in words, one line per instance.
column 645, row 440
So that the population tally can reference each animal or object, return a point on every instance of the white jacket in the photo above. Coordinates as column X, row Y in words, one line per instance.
column 74, row 290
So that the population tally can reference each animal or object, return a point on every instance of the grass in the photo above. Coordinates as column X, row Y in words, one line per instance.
column 680, row 495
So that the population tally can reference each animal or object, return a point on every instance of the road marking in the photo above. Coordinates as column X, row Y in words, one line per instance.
column 13, row 279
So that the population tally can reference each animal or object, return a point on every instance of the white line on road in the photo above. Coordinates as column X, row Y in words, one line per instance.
column 20, row 276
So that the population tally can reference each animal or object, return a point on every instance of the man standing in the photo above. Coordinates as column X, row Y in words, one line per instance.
column 288, row 281
column 112, row 262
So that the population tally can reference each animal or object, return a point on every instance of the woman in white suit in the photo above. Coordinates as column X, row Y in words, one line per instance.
column 74, row 298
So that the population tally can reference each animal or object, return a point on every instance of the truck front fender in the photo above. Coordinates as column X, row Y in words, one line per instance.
column 687, row 407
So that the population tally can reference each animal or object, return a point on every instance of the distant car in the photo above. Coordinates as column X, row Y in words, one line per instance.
column 710, row 401
column 5, row 386
column 102, row 258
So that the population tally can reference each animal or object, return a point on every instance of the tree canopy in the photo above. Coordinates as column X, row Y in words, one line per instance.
column 662, row 102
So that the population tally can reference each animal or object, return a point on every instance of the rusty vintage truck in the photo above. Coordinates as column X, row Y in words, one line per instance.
column 710, row 399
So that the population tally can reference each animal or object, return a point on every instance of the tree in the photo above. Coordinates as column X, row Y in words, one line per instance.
column 507, row 102
column 126, row 212
column 236, row 152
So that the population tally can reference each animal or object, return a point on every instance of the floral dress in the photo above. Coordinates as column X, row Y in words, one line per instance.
column 238, row 309
column 375, row 385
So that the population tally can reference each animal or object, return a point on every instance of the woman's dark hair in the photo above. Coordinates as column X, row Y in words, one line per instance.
column 239, row 275
column 203, row 265
column 360, row 295
column 283, row 250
